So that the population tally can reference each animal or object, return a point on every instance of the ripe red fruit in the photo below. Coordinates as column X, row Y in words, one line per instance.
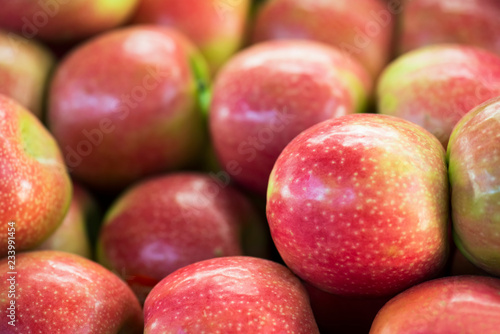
column 35, row 189
column 58, row 292
column 474, row 158
column 459, row 304
column 269, row 93
column 230, row 295
column 358, row 205
column 169, row 222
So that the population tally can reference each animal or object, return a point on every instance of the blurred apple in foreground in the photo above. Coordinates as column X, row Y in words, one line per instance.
column 125, row 105
column 473, row 22
column 460, row 304
column 230, row 295
column 166, row 223
column 24, row 71
column 269, row 93
column 358, row 205
column 35, row 189
column 63, row 20
column 363, row 31
column 436, row 86
column 217, row 27
column 474, row 168
column 58, row 292
column 338, row 314
column 72, row 235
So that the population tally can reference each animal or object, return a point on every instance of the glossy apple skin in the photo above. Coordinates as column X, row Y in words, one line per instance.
column 63, row 20
column 339, row 314
column 134, row 93
column 267, row 94
column 472, row 22
column 168, row 222
column 359, row 32
column 63, row 293
column 358, row 205
column 72, row 235
column 436, row 86
column 216, row 27
column 474, row 157
column 459, row 304
column 35, row 189
column 25, row 67
column 228, row 295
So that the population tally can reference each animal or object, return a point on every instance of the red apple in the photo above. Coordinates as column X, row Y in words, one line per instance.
column 473, row 22
column 363, row 30
column 340, row 314
column 35, row 189
column 125, row 105
column 358, row 205
column 62, row 20
column 460, row 304
column 166, row 223
column 436, row 86
column 216, row 26
column 58, row 292
column 230, row 295
column 474, row 158
column 24, row 71
column 269, row 93
column 73, row 234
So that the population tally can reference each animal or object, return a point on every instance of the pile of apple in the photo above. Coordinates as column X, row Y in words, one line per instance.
column 229, row 166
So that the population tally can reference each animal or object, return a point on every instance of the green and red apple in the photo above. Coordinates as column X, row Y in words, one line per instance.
column 169, row 222
column 471, row 22
column 230, row 295
column 64, row 20
column 25, row 67
column 436, row 86
column 458, row 304
column 269, row 93
column 363, row 30
column 127, row 104
column 35, row 189
column 217, row 27
column 63, row 293
column 358, row 205
column 474, row 169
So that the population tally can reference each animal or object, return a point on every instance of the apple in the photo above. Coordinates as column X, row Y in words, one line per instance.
column 459, row 304
column 25, row 67
column 73, row 234
column 358, row 205
column 340, row 314
column 59, row 292
column 35, row 189
column 64, row 20
column 126, row 105
column 474, row 157
column 229, row 295
column 472, row 22
column 436, row 86
column 269, row 93
column 216, row 27
column 168, row 222
column 364, row 31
